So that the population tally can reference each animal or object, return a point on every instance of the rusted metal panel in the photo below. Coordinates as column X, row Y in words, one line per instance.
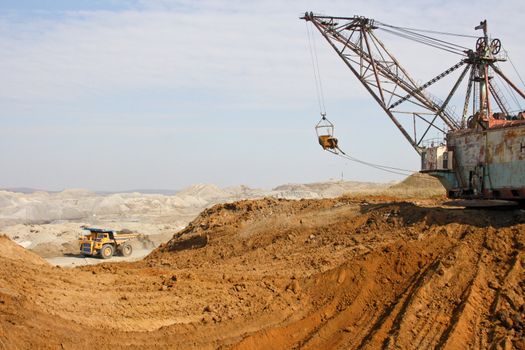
column 469, row 148
column 437, row 158
column 489, row 163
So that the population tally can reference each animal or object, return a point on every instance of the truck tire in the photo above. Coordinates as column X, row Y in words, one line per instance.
column 107, row 251
column 126, row 249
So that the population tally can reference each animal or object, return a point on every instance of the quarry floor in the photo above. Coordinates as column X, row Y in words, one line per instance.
column 345, row 273
column 75, row 260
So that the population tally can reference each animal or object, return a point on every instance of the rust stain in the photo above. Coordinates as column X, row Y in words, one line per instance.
column 499, row 150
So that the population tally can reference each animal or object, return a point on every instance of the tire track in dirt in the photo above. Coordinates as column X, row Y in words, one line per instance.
column 348, row 318
column 429, row 335
column 465, row 322
column 466, row 316
column 508, row 305
column 388, row 323
column 438, row 295
column 397, row 307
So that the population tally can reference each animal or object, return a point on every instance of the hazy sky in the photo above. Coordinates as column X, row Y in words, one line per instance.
column 114, row 95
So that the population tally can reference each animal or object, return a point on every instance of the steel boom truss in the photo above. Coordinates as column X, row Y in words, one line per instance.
column 382, row 75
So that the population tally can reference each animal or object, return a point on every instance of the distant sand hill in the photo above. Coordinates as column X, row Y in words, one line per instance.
column 417, row 185
column 77, row 204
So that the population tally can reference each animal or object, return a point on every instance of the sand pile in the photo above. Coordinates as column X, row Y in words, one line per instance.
column 417, row 185
column 280, row 274
column 330, row 189
column 12, row 251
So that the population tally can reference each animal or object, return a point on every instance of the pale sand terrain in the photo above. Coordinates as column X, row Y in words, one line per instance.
column 49, row 223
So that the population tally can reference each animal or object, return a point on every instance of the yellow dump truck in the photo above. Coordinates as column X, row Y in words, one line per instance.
column 105, row 243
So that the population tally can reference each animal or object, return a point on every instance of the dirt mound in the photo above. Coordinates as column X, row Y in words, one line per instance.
column 417, row 185
column 315, row 274
column 12, row 251
column 329, row 189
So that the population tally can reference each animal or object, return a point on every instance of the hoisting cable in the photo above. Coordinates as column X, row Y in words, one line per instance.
column 402, row 172
column 510, row 91
column 317, row 74
column 398, row 171
column 322, row 109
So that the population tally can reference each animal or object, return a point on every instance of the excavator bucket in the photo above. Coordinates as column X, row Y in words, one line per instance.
column 325, row 134
column 328, row 142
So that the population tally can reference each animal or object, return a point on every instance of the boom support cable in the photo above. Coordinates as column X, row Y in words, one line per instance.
column 414, row 35
column 317, row 74
column 427, row 42
column 515, row 70
column 434, row 32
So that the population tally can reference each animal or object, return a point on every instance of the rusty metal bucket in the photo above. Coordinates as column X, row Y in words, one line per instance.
column 327, row 142
column 325, row 134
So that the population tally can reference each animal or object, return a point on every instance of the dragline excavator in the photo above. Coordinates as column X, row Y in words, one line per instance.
column 482, row 152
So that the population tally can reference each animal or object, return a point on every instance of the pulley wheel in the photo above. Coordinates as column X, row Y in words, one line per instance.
column 480, row 44
column 495, row 46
